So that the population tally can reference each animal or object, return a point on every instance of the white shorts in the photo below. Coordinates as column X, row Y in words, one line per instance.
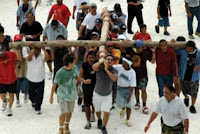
column 102, row 103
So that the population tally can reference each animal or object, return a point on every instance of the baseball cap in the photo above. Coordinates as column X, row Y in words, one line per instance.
column 60, row 37
column 139, row 43
column 93, row 34
column 84, row 5
column 121, row 37
column 123, row 26
column 117, row 7
column 115, row 27
column 98, row 21
column 114, row 16
column 1, row 48
column 93, row 5
column 17, row 37
column 191, row 44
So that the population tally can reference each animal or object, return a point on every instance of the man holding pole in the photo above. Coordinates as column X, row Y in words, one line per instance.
column 102, row 96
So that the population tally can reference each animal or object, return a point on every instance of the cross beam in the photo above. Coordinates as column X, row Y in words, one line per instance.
column 89, row 43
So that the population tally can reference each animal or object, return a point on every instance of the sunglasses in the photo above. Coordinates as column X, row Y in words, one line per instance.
column 109, row 46
column 111, row 59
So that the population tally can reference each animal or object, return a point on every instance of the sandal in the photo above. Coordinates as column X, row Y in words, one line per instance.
column 67, row 128
column 61, row 130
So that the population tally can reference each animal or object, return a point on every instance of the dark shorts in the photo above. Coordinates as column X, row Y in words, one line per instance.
column 164, row 22
column 190, row 88
column 10, row 88
column 178, row 129
column 49, row 52
column 142, row 83
column 88, row 95
column 22, row 85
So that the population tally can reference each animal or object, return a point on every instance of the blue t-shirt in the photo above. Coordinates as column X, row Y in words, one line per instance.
column 22, row 14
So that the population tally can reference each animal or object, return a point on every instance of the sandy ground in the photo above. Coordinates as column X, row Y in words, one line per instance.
column 24, row 119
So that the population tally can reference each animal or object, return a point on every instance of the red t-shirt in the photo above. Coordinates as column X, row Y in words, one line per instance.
column 7, row 68
column 166, row 62
column 60, row 13
column 141, row 36
column 113, row 35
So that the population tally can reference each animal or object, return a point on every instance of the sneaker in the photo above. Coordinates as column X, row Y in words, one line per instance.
column 88, row 125
column 83, row 108
column 92, row 117
column 18, row 103
column 33, row 105
column 113, row 107
column 130, row 32
column 122, row 113
column 192, row 109
column 49, row 76
column 137, row 106
column 198, row 34
column 157, row 29
column 38, row 112
column 128, row 123
column 145, row 110
column 99, row 124
column 103, row 130
column 80, row 100
column 9, row 112
column 191, row 36
column 4, row 105
column 25, row 98
column 166, row 33
column 186, row 101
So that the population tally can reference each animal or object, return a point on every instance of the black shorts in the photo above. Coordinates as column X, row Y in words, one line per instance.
column 88, row 95
column 49, row 52
column 10, row 88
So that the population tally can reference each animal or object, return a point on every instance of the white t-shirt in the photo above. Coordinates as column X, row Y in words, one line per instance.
column 36, row 69
column 126, row 78
column 77, row 3
column 25, row 51
column 173, row 112
column 89, row 20
column 192, row 3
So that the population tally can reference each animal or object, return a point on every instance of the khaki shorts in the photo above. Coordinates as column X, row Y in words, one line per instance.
column 66, row 106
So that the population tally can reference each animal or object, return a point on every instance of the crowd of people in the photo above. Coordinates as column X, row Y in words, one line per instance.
column 118, row 77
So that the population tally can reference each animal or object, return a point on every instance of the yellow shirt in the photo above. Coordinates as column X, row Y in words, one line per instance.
column 116, row 54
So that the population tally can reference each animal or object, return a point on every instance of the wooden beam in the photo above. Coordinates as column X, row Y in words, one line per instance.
column 104, row 31
column 89, row 43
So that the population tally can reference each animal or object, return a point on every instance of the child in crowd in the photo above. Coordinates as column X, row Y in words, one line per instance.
column 163, row 11
column 142, row 35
